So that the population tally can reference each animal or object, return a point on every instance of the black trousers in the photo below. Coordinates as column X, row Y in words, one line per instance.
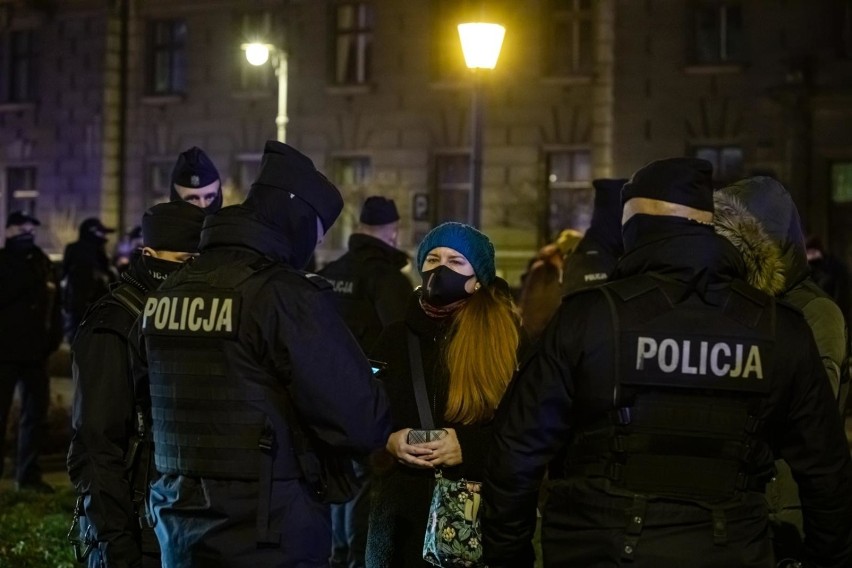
column 32, row 427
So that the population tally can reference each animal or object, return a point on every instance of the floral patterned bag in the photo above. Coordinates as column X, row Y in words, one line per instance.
column 453, row 534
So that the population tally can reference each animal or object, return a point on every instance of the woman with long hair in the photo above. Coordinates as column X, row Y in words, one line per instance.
column 466, row 331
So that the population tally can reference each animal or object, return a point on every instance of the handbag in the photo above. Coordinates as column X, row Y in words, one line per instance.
column 453, row 534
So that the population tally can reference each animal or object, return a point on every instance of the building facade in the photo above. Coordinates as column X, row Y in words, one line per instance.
column 98, row 98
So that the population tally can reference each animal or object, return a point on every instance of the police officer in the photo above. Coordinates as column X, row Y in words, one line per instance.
column 109, row 433
column 671, row 388
column 196, row 180
column 371, row 293
column 259, row 393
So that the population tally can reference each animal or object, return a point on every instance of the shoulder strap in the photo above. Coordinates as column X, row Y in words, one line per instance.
column 130, row 298
column 419, row 382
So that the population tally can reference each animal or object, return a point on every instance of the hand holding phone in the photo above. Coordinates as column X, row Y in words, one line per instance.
column 425, row 436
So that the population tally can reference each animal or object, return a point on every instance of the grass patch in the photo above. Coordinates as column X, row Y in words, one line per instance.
column 33, row 528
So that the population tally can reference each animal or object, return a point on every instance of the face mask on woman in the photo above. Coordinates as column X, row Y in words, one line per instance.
column 443, row 286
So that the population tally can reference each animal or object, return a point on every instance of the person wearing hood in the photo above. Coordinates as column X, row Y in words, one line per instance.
column 86, row 272
column 594, row 259
column 759, row 217
column 196, row 180
column 260, row 395
column 105, row 428
column 670, row 389
column 30, row 330
column 371, row 293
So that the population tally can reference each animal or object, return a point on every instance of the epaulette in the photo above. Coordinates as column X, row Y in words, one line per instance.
column 319, row 281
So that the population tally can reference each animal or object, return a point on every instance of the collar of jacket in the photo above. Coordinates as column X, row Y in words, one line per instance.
column 137, row 274
column 422, row 324
column 367, row 246
column 237, row 226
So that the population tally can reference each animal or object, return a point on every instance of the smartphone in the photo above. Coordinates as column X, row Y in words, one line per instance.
column 424, row 436
column 378, row 367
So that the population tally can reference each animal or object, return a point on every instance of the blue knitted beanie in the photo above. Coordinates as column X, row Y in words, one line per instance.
column 474, row 245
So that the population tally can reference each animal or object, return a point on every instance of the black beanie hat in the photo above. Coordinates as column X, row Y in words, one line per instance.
column 685, row 181
column 194, row 169
column 284, row 168
column 378, row 210
column 173, row 226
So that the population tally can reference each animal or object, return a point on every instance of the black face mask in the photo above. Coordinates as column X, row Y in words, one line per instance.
column 443, row 286
column 159, row 269
column 20, row 242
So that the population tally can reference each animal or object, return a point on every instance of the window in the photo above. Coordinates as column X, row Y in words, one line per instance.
column 353, row 50
column 718, row 32
column 570, row 196
column 569, row 43
column 351, row 175
column 727, row 161
column 841, row 182
column 159, row 180
column 253, row 27
column 452, row 174
column 167, row 57
column 19, row 67
column 21, row 192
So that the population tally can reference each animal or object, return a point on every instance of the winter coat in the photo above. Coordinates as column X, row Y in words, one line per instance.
column 30, row 316
column 87, row 275
column 402, row 495
column 568, row 386
column 371, row 291
column 288, row 356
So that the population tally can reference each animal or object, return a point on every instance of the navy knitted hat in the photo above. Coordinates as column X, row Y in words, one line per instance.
column 686, row 181
column 378, row 210
column 474, row 245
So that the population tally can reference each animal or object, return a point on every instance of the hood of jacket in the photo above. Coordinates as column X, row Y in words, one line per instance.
column 762, row 256
column 367, row 247
column 771, row 204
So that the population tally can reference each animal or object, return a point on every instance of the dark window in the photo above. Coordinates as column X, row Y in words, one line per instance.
column 167, row 57
column 19, row 80
column 254, row 27
column 569, row 190
column 727, row 161
column 21, row 190
column 452, row 173
column 159, row 180
column 718, row 32
column 353, row 49
column 570, row 40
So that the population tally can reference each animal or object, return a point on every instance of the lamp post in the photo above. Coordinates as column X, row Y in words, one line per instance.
column 481, row 43
column 259, row 53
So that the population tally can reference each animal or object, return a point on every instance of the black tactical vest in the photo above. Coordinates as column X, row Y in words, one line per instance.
column 211, row 416
column 690, row 381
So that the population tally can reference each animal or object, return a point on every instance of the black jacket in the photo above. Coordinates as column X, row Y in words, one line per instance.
column 371, row 291
column 567, row 386
column 104, row 421
column 30, row 316
column 87, row 275
column 592, row 262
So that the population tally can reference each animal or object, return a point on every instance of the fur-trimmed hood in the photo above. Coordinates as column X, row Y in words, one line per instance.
column 762, row 256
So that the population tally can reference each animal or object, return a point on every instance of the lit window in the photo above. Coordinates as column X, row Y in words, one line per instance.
column 167, row 57
column 353, row 53
column 570, row 196
column 570, row 45
column 718, row 32
column 841, row 182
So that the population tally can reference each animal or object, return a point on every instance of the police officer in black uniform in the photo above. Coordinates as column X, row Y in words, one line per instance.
column 109, row 460
column 196, row 180
column 371, row 293
column 671, row 388
column 259, row 393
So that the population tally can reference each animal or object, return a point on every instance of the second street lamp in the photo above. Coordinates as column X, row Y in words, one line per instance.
column 481, row 43
column 259, row 53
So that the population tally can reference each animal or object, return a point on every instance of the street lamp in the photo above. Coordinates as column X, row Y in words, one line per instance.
column 481, row 43
column 258, row 54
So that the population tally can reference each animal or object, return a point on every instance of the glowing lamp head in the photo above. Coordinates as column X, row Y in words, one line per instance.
column 257, row 53
column 481, row 44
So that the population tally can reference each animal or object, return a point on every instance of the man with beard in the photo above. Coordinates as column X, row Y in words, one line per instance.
column 109, row 459
column 30, row 330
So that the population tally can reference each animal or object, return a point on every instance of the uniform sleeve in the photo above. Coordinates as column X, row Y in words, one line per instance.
column 390, row 296
column 331, row 382
column 531, row 423
column 102, row 415
column 813, row 443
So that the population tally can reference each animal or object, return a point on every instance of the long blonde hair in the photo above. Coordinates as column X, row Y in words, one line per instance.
column 481, row 356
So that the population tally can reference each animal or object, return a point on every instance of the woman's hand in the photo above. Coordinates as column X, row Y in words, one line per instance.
column 406, row 454
column 445, row 452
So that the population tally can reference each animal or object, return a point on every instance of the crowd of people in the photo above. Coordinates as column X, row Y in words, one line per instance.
column 666, row 390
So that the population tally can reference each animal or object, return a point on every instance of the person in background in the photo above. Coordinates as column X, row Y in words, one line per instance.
column 371, row 293
column 125, row 248
column 461, row 324
column 829, row 273
column 30, row 330
column 110, row 457
column 670, row 390
column 195, row 179
column 86, row 272
column 260, row 395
